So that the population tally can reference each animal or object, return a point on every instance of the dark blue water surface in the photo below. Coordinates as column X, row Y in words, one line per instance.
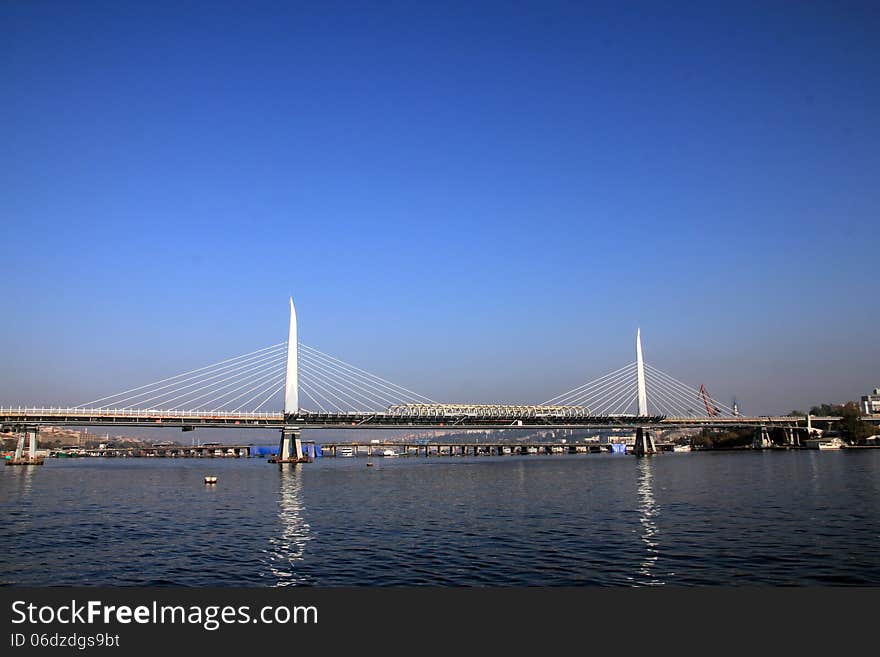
column 777, row 518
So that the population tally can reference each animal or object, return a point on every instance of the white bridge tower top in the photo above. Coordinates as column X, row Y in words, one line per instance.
column 291, row 381
column 640, row 375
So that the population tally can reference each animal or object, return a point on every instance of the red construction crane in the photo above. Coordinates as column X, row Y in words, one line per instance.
column 712, row 410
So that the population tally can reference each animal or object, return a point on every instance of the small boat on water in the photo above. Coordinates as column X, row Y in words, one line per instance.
column 389, row 452
column 681, row 448
column 345, row 451
column 825, row 443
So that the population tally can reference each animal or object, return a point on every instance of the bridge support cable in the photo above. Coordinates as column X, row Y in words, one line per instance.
column 330, row 388
column 184, row 397
column 363, row 393
column 212, row 386
column 378, row 395
column 595, row 395
column 323, row 394
column 236, row 383
column 566, row 398
column 218, row 395
column 686, row 391
column 331, row 383
column 279, row 388
column 221, row 401
column 307, row 390
column 148, row 388
column 604, row 398
column 618, row 404
column 366, row 377
column 275, row 387
column 164, row 392
column 614, row 399
column 651, row 390
column 671, row 400
column 599, row 396
column 347, row 396
column 633, row 401
column 663, row 403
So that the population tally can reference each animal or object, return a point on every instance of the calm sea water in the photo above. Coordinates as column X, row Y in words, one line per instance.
column 777, row 518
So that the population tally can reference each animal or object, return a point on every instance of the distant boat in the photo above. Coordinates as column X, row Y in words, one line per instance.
column 389, row 452
column 836, row 443
column 345, row 451
column 681, row 448
column 825, row 443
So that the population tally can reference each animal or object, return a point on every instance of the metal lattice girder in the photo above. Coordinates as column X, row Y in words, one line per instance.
column 488, row 410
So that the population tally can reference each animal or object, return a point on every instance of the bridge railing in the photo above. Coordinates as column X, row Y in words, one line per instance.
column 131, row 412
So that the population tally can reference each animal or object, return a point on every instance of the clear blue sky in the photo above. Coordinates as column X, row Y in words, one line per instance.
column 480, row 201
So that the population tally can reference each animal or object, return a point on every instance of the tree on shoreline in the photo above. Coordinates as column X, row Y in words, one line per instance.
column 851, row 425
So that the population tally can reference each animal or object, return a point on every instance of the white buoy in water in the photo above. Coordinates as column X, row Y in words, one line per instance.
column 210, row 480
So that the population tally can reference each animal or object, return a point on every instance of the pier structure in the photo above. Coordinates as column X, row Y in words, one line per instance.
column 644, row 444
column 786, row 437
column 434, row 449
column 26, row 434
column 290, row 449
column 172, row 451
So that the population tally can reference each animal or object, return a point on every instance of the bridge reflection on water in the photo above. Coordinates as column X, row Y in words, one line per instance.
column 286, row 552
column 648, row 511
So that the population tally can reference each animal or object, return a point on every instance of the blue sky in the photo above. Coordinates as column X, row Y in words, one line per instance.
column 480, row 201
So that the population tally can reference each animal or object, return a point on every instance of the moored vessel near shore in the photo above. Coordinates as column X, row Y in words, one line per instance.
column 681, row 448
column 825, row 443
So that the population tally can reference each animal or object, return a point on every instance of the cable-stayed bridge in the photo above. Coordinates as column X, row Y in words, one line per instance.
column 292, row 386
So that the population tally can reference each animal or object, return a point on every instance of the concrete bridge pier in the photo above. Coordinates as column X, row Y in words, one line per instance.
column 290, row 447
column 761, row 439
column 19, row 448
column 644, row 443
column 28, row 434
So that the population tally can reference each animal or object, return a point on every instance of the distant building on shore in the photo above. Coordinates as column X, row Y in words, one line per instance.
column 871, row 403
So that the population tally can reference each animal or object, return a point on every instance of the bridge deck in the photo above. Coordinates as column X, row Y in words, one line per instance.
column 353, row 420
column 17, row 417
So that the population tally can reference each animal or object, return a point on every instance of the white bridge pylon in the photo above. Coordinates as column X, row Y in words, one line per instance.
column 641, row 389
column 291, row 376
column 640, row 376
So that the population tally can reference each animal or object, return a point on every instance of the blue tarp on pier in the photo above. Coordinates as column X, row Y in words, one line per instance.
column 312, row 451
